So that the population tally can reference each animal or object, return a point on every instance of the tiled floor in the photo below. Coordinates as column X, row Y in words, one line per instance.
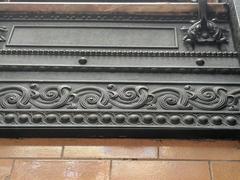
column 118, row 159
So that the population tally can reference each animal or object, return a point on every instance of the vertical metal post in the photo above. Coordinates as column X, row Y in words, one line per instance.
column 234, row 6
column 202, row 13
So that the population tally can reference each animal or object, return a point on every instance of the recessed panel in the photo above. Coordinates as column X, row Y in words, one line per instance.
column 93, row 36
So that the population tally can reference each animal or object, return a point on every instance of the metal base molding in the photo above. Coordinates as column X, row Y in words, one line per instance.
column 119, row 124
column 169, row 110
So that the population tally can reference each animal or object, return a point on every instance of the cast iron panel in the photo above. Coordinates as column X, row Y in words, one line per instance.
column 66, row 75
column 101, row 36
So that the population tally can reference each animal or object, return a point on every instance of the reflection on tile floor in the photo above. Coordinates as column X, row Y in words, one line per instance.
column 119, row 159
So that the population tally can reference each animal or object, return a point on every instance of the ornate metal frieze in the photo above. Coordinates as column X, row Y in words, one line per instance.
column 115, row 96
column 121, row 105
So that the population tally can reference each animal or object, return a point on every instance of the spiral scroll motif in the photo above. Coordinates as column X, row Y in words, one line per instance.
column 129, row 97
column 14, row 97
column 171, row 99
column 51, row 97
column 207, row 98
column 91, row 97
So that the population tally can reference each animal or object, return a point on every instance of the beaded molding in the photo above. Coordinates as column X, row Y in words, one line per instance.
column 72, row 68
column 102, row 17
column 138, row 53
column 123, row 119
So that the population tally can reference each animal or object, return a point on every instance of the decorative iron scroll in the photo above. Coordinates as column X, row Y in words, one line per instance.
column 204, row 31
column 3, row 30
column 206, row 98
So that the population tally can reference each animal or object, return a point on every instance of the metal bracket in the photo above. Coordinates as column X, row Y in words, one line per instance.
column 204, row 31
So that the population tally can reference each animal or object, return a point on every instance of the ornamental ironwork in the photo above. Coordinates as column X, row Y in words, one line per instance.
column 205, row 31
column 78, row 74
column 206, row 98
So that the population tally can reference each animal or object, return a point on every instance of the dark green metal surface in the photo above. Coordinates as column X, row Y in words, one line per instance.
column 78, row 75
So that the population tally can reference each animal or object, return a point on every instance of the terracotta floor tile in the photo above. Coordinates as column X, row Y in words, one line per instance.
column 199, row 150
column 30, row 151
column 225, row 170
column 79, row 142
column 60, row 170
column 5, row 168
column 141, row 152
column 159, row 170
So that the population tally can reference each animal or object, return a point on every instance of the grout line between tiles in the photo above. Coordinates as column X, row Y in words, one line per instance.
column 62, row 152
column 11, row 171
column 210, row 169
column 115, row 159
column 110, row 170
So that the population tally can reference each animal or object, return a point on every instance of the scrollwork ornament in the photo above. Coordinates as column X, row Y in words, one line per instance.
column 129, row 97
column 3, row 31
column 204, row 31
column 209, row 98
column 91, row 97
column 206, row 98
column 15, row 97
column 51, row 97
column 171, row 99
